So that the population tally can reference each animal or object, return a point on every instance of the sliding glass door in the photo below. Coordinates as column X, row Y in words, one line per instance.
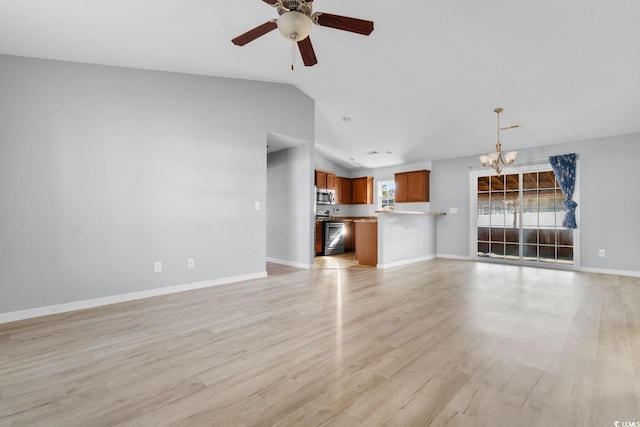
column 498, row 227
column 519, row 218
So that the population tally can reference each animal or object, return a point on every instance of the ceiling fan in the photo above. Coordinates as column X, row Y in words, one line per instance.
column 294, row 23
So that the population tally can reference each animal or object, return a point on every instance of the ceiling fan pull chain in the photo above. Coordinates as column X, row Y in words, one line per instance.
column 293, row 53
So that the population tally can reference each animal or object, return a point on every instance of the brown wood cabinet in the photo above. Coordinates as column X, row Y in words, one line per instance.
column 325, row 179
column 347, row 191
column 349, row 236
column 339, row 190
column 343, row 190
column 362, row 191
column 401, row 180
column 321, row 179
column 412, row 186
column 318, row 238
column 367, row 242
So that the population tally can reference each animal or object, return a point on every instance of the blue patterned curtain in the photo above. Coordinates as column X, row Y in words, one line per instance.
column 565, row 169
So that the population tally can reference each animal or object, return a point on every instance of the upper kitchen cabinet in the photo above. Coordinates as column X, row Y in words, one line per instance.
column 412, row 186
column 343, row 190
column 362, row 193
column 325, row 179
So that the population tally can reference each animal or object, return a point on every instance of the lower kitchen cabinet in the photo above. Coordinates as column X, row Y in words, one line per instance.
column 349, row 238
column 318, row 238
column 367, row 242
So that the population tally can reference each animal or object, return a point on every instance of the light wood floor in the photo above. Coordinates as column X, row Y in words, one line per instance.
column 346, row 260
column 440, row 342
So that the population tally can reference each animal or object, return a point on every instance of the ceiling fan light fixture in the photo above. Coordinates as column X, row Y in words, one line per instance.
column 294, row 25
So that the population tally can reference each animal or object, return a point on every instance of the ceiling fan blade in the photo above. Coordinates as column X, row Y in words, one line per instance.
column 307, row 52
column 271, row 2
column 253, row 34
column 344, row 23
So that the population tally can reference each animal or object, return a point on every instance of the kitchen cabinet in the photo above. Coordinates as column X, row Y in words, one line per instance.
column 412, row 186
column 325, row 179
column 349, row 236
column 343, row 190
column 321, row 179
column 318, row 242
column 366, row 242
column 362, row 191
column 339, row 190
column 347, row 193
column 331, row 181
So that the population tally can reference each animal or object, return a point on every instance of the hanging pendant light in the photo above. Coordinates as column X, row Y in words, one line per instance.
column 497, row 160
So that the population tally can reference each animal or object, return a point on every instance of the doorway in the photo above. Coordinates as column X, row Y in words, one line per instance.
column 518, row 218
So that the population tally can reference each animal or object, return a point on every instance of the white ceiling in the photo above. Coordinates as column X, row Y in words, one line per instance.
column 422, row 86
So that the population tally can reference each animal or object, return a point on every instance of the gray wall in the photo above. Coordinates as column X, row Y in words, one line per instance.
column 105, row 170
column 323, row 163
column 609, row 200
column 290, row 213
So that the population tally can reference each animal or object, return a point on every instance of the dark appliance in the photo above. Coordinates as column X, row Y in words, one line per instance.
column 333, row 237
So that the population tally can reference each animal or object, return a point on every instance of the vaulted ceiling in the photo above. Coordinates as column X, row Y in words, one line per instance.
column 422, row 86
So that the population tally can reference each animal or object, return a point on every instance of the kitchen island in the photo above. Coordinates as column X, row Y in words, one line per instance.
column 405, row 237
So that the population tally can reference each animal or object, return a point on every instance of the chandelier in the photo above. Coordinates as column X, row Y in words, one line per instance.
column 497, row 160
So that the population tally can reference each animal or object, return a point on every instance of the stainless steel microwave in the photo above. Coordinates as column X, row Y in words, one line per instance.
column 325, row 196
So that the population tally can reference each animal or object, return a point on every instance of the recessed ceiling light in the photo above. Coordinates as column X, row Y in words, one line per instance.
column 389, row 152
column 346, row 119
column 372, row 152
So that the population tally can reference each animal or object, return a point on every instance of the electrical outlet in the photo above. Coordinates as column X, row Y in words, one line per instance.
column 157, row 267
column 602, row 253
column 190, row 263
column 257, row 206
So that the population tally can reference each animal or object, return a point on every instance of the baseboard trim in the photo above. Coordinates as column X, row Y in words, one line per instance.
column 405, row 262
column 290, row 263
column 610, row 271
column 458, row 257
column 30, row 313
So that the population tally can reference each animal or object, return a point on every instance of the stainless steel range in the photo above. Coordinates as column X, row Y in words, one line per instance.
column 333, row 237
column 332, row 233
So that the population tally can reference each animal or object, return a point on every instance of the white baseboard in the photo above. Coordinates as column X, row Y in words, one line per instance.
column 290, row 263
column 13, row 316
column 459, row 257
column 405, row 262
column 610, row 271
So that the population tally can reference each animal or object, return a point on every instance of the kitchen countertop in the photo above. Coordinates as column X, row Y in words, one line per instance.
column 384, row 212
column 354, row 218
